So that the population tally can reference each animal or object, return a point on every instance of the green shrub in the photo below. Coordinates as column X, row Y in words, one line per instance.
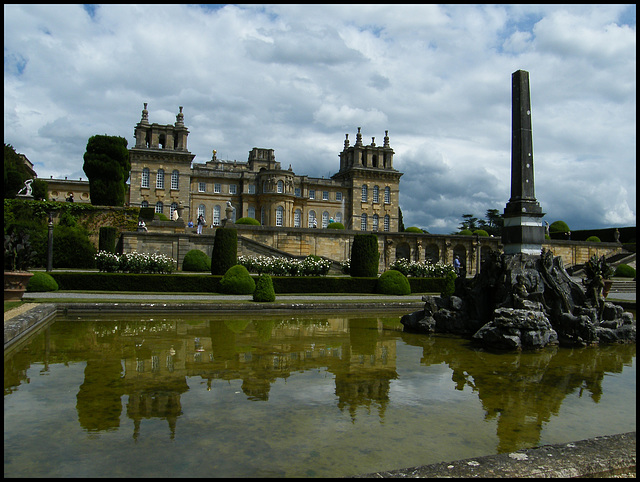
column 237, row 281
column 624, row 271
column 449, row 284
column 466, row 232
column 481, row 232
column 413, row 229
column 72, row 248
column 147, row 214
column 250, row 221
column 225, row 251
column 107, row 239
column 364, row 256
column 264, row 289
column 558, row 230
column 593, row 239
column 335, row 225
column 393, row 282
column 42, row 282
column 196, row 260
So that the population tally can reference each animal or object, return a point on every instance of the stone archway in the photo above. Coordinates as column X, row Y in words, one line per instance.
column 460, row 251
column 403, row 250
column 432, row 253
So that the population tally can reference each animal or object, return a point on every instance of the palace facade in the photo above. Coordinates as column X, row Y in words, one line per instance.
column 363, row 195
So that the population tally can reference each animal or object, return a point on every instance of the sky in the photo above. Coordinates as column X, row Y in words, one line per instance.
column 297, row 78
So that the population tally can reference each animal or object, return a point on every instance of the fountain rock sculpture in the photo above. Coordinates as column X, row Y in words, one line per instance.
column 523, row 302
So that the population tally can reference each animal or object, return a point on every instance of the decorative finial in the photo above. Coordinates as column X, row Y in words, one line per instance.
column 358, row 138
column 346, row 141
column 180, row 118
column 386, row 138
column 373, row 142
column 145, row 115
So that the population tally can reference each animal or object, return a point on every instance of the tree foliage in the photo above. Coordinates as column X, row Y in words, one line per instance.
column 107, row 166
column 492, row 224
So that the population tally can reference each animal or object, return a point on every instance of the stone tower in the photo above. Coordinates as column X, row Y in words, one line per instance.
column 373, row 185
column 523, row 231
column 161, row 166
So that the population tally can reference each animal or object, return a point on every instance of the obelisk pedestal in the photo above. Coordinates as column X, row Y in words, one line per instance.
column 523, row 231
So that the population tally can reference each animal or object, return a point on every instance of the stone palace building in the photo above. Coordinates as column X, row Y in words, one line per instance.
column 363, row 195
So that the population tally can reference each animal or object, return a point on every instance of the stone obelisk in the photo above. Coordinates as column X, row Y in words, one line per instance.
column 523, row 231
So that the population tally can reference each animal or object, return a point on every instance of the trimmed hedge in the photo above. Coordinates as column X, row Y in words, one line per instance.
column 40, row 282
column 196, row 260
column 264, row 289
column 237, row 281
column 180, row 283
column 225, row 251
column 393, row 282
column 624, row 271
column 364, row 256
column 107, row 239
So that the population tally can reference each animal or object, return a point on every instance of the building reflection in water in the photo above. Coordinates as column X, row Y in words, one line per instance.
column 150, row 362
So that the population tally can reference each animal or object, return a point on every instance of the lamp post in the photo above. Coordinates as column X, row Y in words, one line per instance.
column 50, row 245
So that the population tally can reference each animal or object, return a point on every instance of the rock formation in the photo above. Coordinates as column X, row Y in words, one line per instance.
column 521, row 301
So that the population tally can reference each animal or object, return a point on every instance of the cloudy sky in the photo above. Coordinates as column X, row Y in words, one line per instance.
column 297, row 78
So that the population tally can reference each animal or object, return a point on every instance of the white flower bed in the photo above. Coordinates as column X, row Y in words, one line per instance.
column 134, row 263
column 273, row 265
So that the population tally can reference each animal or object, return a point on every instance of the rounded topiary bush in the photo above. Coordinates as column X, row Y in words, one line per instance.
column 393, row 282
column 42, row 282
column 558, row 229
column 225, row 250
column 465, row 232
column 593, row 239
column 335, row 225
column 364, row 256
column 413, row 229
column 196, row 260
column 250, row 221
column 481, row 232
column 237, row 281
column 264, row 289
column 624, row 271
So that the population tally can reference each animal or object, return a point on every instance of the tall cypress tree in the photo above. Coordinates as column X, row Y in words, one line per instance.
column 107, row 166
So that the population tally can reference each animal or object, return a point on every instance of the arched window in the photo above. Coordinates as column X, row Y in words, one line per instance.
column 175, row 175
column 363, row 222
column 364, row 193
column 159, row 207
column 279, row 214
column 251, row 212
column 216, row 215
column 387, row 195
column 280, row 187
column 144, row 204
column 376, row 190
column 312, row 219
column 160, row 179
column 145, row 177
column 325, row 219
column 297, row 218
column 374, row 222
column 201, row 210
column 338, row 217
column 173, row 207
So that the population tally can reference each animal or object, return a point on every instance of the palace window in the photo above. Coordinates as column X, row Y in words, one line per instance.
column 296, row 192
column 201, row 210
column 173, row 207
column 312, row 219
column 325, row 195
column 202, row 186
column 312, row 194
column 252, row 188
column 363, row 222
column 159, row 207
column 338, row 196
column 374, row 222
column 279, row 215
column 145, row 178
column 387, row 195
column 216, row 215
column 297, row 219
column 251, row 212
column 387, row 222
column 376, row 190
column 365, row 194
column 174, row 179
column 217, row 188
column 233, row 189
column 160, row 179
column 280, row 187
column 325, row 219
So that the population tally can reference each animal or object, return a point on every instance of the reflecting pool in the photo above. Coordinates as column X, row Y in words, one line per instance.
column 290, row 396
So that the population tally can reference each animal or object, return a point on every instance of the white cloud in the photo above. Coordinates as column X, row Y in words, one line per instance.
column 296, row 78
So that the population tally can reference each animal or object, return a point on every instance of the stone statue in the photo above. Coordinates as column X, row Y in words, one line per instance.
column 26, row 191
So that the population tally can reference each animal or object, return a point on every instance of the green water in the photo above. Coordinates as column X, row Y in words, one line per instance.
column 321, row 396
